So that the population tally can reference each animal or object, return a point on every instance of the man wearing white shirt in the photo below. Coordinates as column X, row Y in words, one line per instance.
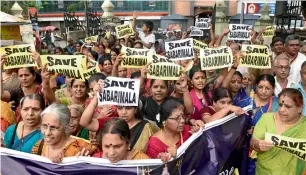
column 147, row 38
column 292, row 46
column 301, row 86
column 281, row 69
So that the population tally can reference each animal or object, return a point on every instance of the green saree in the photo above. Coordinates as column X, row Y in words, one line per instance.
column 276, row 161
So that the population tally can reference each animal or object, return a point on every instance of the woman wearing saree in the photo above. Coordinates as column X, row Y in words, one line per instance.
column 159, row 94
column 57, row 142
column 23, row 135
column 234, row 82
column 287, row 121
column 174, row 131
column 74, row 124
column 222, row 105
column 78, row 90
column 140, row 129
column 116, row 140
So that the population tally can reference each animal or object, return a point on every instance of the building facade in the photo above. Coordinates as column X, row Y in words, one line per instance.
column 52, row 12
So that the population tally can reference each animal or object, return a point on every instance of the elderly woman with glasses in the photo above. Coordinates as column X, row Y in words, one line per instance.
column 164, row 143
column 57, row 142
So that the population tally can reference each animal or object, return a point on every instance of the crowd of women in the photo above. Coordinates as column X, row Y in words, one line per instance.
column 56, row 116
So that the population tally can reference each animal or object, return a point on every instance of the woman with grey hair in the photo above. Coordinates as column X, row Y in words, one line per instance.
column 57, row 142
column 75, row 129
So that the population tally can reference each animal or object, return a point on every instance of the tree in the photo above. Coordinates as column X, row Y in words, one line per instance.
column 7, row 5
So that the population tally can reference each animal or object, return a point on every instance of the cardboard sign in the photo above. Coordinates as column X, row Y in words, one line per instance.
column 120, row 91
column 180, row 49
column 135, row 58
column 216, row 58
column 196, row 33
column 18, row 56
column 11, row 33
column 124, row 30
column 239, row 32
column 69, row 65
column 91, row 39
column 202, row 23
column 198, row 45
column 269, row 32
column 257, row 56
column 163, row 68
column 94, row 68
column 296, row 147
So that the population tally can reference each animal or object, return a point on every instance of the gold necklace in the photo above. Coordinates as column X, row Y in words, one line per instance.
column 171, row 144
column 290, row 125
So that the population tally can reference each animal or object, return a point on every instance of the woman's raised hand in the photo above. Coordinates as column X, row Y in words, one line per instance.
column 145, row 70
column 45, row 75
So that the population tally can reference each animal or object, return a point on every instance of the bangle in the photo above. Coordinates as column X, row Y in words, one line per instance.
column 234, row 67
column 253, row 146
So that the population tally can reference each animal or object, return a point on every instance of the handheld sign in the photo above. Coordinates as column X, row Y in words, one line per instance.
column 18, row 56
column 124, row 30
column 202, row 23
column 198, row 45
column 180, row 49
column 257, row 56
column 239, row 32
column 294, row 146
column 91, row 39
column 135, row 58
column 196, row 33
column 120, row 91
column 216, row 58
column 94, row 68
column 69, row 65
column 162, row 68
column 269, row 32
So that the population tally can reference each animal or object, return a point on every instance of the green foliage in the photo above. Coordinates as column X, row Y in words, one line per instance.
column 7, row 5
column 75, row 6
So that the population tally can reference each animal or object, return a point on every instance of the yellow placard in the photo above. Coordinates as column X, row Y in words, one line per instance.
column 216, row 58
column 18, row 56
column 296, row 147
column 94, row 68
column 269, row 32
column 135, row 58
column 11, row 33
column 163, row 68
column 124, row 30
column 198, row 45
column 91, row 39
column 69, row 65
column 256, row 56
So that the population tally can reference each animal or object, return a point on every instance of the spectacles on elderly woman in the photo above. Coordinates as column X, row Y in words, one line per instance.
column 52, row 129
column 178, row 118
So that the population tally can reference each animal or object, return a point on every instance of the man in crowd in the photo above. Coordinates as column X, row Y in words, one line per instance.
column 277, row 46
column 147, row 38
column 301, row 86
column 292, row 47
column 281, row 69
column 70, row 47
column 303, row 48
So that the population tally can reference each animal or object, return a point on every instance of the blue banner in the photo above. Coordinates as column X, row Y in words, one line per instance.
column 219, row 149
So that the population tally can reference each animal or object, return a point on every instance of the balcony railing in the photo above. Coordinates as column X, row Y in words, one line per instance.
column 120, row 6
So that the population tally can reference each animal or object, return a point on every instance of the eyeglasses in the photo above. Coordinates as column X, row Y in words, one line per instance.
column 282, row 67
column 52, row 129
column 178, row 118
